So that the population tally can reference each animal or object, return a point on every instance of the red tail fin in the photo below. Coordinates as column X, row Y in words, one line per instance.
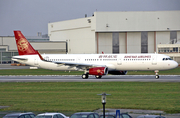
column 23, row 46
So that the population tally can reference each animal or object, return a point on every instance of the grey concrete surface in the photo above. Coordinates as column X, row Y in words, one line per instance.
column 8, row 66
column 77, row 78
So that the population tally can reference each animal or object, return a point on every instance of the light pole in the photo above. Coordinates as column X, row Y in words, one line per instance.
column 103, row 102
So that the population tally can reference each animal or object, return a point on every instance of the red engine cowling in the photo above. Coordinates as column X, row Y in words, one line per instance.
column 98, row 71
column 117, row 72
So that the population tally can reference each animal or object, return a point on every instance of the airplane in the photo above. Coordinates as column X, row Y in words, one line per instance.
column 92, row 64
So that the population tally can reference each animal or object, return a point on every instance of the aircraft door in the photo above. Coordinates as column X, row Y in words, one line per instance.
column 154, row 59
column 78, row 60
column 119, row 61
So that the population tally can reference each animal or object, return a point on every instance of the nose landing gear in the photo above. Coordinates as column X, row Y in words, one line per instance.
column 156, row 72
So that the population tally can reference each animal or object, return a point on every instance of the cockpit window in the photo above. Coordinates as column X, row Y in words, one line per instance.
column 166, row 59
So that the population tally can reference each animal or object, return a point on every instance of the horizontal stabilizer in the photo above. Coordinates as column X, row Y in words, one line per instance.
column 20, row 58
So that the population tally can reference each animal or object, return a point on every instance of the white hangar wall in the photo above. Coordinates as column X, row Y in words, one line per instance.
column 8, row 43
column 151, row 42
column 79, row 34
column 129, row 42
column 133, row 42
column 122, row 42
column 105, row 42
column 81, row 41
column 158, row 26
column 118, row 32
column 55, row 47
column 137, row 21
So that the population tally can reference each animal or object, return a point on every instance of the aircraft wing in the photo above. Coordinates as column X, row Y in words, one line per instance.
column 78, row 65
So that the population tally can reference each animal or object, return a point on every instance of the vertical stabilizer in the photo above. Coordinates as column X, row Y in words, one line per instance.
column 23, row 46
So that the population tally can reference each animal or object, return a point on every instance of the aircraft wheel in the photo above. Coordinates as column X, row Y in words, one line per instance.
column 85, row 76
column 157, row 76
column 98, row 76
column 156, row 72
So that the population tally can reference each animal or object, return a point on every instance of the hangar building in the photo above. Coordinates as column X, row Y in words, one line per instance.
column 8, row 47
column 120, row 32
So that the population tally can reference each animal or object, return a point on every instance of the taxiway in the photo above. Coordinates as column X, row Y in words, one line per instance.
column 77, row 78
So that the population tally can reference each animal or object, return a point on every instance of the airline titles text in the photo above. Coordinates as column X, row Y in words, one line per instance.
column 145, row 56
column 107, row 56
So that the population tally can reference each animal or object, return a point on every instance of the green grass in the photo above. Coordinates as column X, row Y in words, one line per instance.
column 82, row 96
column 37, row 72
column 175, row 71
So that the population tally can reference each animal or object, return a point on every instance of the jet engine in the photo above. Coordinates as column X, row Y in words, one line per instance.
column 98, row 71
column 117, row 72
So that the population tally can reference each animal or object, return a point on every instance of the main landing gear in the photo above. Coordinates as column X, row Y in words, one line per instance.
column 157, row 76
column 98, row 76
column 85, row 76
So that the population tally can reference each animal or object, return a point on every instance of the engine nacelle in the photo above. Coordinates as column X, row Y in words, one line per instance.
column 98, row 71
column 117, row 72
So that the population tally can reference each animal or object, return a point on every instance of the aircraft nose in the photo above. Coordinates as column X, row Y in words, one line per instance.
column 175, row 64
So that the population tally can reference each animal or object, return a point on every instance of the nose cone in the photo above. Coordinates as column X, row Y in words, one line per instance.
column 174, row 65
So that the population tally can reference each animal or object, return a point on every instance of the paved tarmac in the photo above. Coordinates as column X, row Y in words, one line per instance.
column 8, row 66
column 77, row 78
column 74, row 78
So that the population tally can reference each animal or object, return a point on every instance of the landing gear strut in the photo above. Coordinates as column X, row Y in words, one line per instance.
column 157, row 76
column 86, row 74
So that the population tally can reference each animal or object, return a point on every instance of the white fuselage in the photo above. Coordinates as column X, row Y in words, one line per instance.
column 123, row 62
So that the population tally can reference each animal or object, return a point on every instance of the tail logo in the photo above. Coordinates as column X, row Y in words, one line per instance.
column 22, row 44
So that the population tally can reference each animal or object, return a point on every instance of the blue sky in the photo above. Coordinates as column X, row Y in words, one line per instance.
column 32, row 16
